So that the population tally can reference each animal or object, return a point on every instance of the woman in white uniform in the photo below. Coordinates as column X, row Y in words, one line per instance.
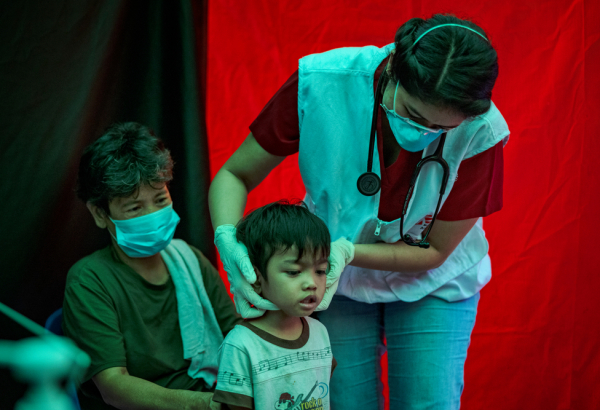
column 382, row 136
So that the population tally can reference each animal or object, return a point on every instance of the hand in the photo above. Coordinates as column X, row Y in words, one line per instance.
column 340, row 255
column 240, row 273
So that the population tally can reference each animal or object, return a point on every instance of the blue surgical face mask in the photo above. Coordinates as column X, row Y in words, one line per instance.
column 146, row 235
column 410, row 135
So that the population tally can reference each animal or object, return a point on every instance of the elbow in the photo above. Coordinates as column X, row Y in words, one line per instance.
column 437, row 264
column 437, row 259
column 109, row 397
column 110, row 401
column 109, row 383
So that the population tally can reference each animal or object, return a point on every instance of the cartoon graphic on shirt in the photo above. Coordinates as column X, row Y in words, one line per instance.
column 286, row 400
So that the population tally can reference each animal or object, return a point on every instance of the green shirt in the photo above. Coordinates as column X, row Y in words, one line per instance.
column 122, row 320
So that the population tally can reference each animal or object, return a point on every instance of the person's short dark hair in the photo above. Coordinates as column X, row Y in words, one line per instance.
column 126, row 157
column 450, row 67
column 279, row 226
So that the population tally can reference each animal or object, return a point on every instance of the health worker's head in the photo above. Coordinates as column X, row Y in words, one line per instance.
column 449, row 67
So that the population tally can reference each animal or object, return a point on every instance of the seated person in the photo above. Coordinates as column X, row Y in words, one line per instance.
column 151, row 311
column 283, row 358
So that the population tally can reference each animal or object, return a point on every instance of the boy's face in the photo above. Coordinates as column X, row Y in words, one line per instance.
column 296, row 287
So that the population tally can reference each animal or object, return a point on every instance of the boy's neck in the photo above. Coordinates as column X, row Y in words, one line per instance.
column 279, row 324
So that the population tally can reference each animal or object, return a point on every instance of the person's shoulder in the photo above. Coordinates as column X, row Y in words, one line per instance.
column 239, row 336
column 313, row 322
column 179, row 243
column 494, row 120
column 86, row 268
column 201, row 257
column 480, row 133
column 491, row 122
column 315, row 326
column 355, row 59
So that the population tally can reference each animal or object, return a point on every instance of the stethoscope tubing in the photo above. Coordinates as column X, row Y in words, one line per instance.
column 374, row 122
column 435, row 157
column 369, row 183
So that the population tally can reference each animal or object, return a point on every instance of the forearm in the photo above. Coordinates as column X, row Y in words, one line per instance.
column 397, row 257
column 132, row 393
column 226, row 199
column 400, row 257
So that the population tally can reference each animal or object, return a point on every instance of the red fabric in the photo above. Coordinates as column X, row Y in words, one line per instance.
column 478, row 193
column 535, row 344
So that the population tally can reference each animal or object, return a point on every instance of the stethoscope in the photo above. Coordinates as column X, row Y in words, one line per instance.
column 369, row 182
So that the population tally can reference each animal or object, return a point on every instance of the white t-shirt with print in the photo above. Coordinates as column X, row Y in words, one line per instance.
column 260, row 371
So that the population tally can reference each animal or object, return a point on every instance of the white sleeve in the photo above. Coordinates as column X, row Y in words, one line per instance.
column 234, row 380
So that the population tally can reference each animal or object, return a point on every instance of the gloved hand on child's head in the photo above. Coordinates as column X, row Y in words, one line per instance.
column 340, row 255
column 240, row 274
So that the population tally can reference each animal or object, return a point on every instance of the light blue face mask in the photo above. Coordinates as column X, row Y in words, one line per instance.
column 146, row 235
column 410, row 135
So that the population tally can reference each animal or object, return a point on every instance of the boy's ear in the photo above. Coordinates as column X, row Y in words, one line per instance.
column 98, row 214
column 257, row 286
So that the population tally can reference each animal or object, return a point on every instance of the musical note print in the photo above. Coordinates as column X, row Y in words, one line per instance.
column 234, row 379
column 272, row 364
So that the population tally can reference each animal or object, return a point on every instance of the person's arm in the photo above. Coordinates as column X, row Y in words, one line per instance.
column 123, row 391
column 227, row 196
column 242, row 172
column 250, row 164
column 400, row 257
column 477, row 193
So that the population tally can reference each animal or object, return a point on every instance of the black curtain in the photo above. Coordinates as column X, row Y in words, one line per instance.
column 68, row 69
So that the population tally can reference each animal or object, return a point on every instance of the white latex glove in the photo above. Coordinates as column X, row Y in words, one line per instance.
column 240, row 273
column 340, row 255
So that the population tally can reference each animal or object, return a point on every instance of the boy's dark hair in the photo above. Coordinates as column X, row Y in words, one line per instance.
column 279, row 226
column 449, row 67
column 127, row 156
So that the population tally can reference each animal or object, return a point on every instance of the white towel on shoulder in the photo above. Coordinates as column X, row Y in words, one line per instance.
column 200, row 330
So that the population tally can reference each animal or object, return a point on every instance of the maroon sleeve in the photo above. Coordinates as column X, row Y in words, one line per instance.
column 277, row 129
column 478, row 187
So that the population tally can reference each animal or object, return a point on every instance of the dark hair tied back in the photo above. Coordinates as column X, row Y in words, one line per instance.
column 450, row 67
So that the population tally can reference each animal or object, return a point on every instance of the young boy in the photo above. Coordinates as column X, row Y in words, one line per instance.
column 151, row 311
column 283, row 359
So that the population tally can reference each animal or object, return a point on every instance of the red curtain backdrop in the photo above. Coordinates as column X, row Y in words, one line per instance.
column 535, row 342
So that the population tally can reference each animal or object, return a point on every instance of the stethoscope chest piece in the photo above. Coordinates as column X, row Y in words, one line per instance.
column 369, row 183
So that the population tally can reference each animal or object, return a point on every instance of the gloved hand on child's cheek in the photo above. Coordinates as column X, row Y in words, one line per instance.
column 341, row 254
column 240, row 273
